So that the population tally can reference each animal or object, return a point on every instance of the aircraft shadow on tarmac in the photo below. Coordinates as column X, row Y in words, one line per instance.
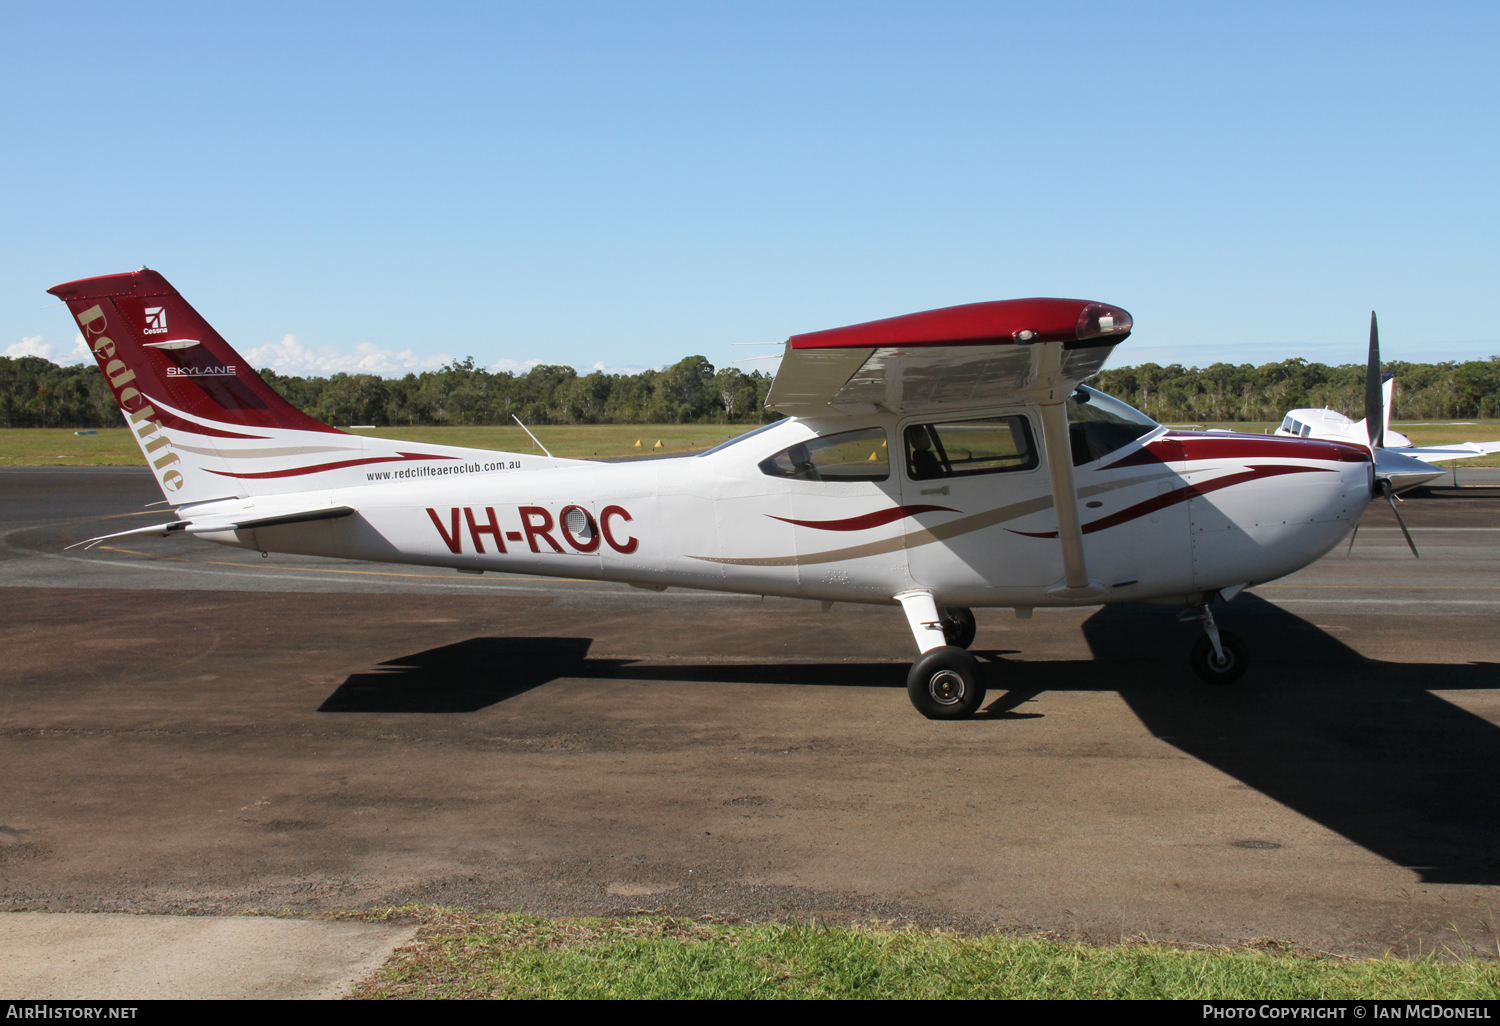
column 1359, row 746
column 480, row 672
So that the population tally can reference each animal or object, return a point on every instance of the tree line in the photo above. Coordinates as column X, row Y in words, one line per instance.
column 34, row 392
column 1228, row 392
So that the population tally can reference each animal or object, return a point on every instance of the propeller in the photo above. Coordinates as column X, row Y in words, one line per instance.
column 1388, row 461
column 1374, row 407
column 1390, row 496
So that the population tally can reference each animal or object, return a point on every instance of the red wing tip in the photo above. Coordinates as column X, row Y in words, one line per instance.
column 997, row 322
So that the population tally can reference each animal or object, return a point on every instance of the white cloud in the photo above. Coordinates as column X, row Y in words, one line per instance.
column 291, row 356
column 599, row 366
column 514, row 366
column 37, row 345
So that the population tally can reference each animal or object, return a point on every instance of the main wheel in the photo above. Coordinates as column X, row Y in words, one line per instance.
column 1213, row 670
column 958, row 626
column 945, row 684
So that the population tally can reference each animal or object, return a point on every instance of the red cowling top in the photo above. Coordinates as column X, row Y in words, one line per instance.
column 1004, row 322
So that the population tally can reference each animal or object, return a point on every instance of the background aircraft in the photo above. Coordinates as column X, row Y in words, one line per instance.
column 936, row 461
column 1375, row 429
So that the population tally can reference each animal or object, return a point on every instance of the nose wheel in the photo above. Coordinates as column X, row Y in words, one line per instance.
column 958, row 626
column 1218, row 657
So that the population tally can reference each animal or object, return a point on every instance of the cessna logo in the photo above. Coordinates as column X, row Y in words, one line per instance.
column 156, row 320
column 143, row 416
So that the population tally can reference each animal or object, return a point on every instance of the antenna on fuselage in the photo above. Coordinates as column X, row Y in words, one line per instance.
column 534, row 438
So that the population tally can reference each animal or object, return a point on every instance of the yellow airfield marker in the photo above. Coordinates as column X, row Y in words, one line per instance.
column 637, row 443
column 873, row 459
column 657, row 445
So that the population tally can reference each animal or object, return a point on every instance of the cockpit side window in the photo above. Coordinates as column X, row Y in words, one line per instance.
column 992, row 445
column 846, row 456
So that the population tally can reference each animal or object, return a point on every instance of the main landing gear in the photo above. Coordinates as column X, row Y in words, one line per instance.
column 1218, row 657
column 945, row 683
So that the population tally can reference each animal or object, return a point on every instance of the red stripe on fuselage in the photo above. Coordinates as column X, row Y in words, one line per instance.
column 1159, row 502
column 1176, row 446
column 298, row 471
column 868, row 520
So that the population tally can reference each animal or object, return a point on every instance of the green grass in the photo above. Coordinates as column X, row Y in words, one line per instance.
column 113, row 446
column 577, row 440
column 501, row 955
column 50, row 447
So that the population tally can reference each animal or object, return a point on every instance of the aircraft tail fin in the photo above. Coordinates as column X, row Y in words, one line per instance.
column 183, row 390
column 207, row 424
column 1387, row 396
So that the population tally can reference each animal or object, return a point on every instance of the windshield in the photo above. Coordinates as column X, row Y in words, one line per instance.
column 1098, row 424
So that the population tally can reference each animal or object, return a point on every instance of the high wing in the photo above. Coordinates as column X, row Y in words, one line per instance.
column 957, row 357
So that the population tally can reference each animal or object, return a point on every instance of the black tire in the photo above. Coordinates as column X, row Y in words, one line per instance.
column 945, row 684
column 1207, row 665
column 958, row 626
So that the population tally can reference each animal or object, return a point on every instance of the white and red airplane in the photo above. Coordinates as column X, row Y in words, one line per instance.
column 937, row 461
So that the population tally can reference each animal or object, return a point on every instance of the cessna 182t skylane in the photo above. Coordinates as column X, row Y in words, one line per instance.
column 937, row 461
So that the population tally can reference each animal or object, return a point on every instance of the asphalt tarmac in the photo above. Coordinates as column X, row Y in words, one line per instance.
column 186, row 728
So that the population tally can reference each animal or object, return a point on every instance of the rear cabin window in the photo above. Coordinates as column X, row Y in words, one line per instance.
column 847, row 456
column 993, row 445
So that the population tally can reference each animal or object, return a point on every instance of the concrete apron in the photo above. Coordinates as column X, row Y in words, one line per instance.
column 67, row 956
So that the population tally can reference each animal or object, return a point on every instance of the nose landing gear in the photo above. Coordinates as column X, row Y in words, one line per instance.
column 1218, row 657
column 958, row 626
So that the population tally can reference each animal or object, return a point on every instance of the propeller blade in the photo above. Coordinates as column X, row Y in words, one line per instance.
column 1350, row 550
column 1390, row 496
column 1374, row 408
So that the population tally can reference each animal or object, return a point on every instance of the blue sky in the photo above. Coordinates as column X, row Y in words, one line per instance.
column 389, row 186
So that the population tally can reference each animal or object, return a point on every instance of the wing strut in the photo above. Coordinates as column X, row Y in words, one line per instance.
column 1050, row 393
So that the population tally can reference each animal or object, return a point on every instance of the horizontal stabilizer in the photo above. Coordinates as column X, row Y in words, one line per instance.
column 208, row 526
